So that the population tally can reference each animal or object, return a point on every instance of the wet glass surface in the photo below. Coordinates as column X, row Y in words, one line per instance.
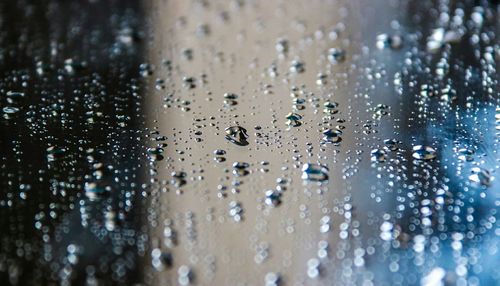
column 327, row 142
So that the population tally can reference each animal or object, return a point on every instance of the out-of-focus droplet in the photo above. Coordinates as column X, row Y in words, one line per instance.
column 314, row 172
column 425, row 153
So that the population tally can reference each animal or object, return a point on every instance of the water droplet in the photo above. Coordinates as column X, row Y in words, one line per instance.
column 272, row 279
column 313, row 266
column 336, row 55
column 230, row 99
column 187, row 54
column 440, row 36
column 240, row 169
column 10, row 110
column 219, row 155
column 386, row 229
column 93, row 191
column 380, row 111
column 293, row 119
column 465, row 154
column 385, row 41
column 161, row 259
column 15, row 94
column 434, row 278
column 71, row 66
column 378, row 155
column 273, row 198
column 155, row 153
column 391, row 144
column 480, row 177
column 220, row 159
column 282, row 46
column 314, row 172
column 321, row 79
column 178, row 179
column 185, row 275
column 54, row 153
column 235, row 211
column 189, row 82
column 237, row 134
column 331, row 136
column 297, row 67
column 330, row 107
column 421, row 152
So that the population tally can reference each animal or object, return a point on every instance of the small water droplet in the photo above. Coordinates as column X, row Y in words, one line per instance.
column 314, row 172
column 391, row 144
column 93, row 191
column 282, row 46
column 10, row 110
column 480, row 177
column 240, row 169
column 236, row 211
column 378, row 155
column 293, row 119
column 380, row 111
column 336, row 55
column 297, row 67
column 273, row 198
column 155, row 153
column 385, row 41
column 421, row 152
column 465, row 154
column 178, row 179
column 331, row 136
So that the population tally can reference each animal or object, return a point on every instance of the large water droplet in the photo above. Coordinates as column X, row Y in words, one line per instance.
column 237, row 134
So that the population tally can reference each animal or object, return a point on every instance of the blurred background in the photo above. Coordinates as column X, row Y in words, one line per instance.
column 168, row 142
